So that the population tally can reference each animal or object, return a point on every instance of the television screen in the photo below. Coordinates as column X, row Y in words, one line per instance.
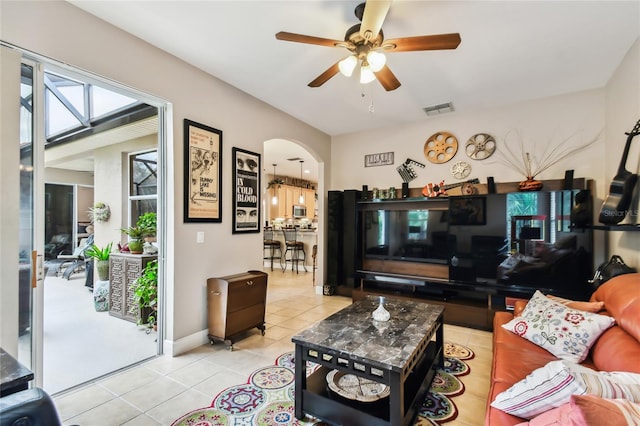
column 418, row 235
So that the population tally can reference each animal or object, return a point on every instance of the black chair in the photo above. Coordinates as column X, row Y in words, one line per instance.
column 272, row 245
column 30, row 407
column 295, row 249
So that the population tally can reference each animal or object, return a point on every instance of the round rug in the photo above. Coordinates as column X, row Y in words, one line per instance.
column 446, row 384
column 239, row 399
column 272, row 377
column 438, row 408
column 203, row 417
column 456, row 350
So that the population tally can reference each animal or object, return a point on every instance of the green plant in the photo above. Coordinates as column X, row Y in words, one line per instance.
column 134, row 232
column 148, row 222
column 274, row 182
column 100, row 212
column 146, row 290
column 97, row 253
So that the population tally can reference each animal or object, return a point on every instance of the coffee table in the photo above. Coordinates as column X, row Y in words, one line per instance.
column 402, row 353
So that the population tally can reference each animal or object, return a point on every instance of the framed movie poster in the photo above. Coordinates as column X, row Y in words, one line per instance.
column 202, row 173
column 246, row 191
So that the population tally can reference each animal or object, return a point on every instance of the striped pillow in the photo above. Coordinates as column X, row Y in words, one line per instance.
column 552, row 385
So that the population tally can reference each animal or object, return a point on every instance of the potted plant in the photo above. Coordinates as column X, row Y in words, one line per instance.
column 149, row 222
column 102, row 259
column 146, row 290
column 100, row 212
column 136, row 238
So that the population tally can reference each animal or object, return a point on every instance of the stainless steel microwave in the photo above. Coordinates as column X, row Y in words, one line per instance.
column 299, row 211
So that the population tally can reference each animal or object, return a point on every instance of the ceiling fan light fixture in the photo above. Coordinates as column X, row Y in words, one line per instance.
column 347, row 65
column 376, row 60
column 366, row 74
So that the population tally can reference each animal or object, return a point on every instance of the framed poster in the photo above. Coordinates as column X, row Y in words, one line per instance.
column 246, row 191
column 202, row 173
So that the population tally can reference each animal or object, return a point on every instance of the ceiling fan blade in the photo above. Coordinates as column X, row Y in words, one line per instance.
column 375, row 11
column 300, row 38
column 325, row 76
column 387, row 79
column 429, row 42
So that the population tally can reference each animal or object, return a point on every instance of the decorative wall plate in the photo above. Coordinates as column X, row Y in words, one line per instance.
column 480, row 146
column 461, row 170
column 440, row 147
column 355, row 387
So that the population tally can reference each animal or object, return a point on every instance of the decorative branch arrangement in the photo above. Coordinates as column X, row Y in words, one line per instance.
column 531, row 165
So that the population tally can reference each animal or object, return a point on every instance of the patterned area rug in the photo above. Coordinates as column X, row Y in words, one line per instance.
column 267, row 399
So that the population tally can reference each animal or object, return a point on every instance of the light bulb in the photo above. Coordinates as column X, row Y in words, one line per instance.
column 274, row 200
column 366, row 75
column 347, row 65
column 376, row 60
column 301, row 199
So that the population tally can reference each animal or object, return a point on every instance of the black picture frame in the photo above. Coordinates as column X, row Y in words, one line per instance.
column 246, row 191
column 467, row 211
column 202, row 173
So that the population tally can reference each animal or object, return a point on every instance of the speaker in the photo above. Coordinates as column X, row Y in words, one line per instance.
column 491, row 185
column 568, row 179
column 405, row 189
column 365, row 192
column 334, row 237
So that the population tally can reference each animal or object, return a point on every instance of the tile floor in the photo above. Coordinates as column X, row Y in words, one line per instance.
column 160, row 390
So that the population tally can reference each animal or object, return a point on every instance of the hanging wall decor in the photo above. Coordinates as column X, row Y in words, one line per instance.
column 440, row 147
column 246, row 191
column 202, row 173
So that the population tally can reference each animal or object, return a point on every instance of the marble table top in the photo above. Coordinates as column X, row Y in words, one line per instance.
column 12, row 373
column 353, row 333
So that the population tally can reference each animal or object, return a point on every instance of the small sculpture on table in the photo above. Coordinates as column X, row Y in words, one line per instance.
column 381, row 314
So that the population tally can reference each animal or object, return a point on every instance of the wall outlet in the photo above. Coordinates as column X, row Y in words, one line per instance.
column 200, row 237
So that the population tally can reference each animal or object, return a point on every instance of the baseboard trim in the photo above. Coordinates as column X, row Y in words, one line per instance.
column 185, row 344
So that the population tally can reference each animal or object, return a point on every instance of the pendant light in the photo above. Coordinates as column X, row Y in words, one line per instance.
column 301, row 199
column 274, row 199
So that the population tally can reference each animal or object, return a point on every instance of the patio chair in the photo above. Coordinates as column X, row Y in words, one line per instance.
column 74, row 262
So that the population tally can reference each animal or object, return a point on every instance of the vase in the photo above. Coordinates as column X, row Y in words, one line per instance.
column 103, row 270
column 381, row 314
column 135, row 246
column 530, row 184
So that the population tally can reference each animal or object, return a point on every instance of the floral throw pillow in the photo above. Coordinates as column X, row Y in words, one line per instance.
column 566, row 333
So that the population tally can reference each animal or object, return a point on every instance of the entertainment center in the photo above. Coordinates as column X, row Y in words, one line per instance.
column 470, row 253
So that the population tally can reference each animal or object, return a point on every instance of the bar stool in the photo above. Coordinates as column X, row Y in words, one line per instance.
column 294, row 248
column 271, row 244
column 314, row 256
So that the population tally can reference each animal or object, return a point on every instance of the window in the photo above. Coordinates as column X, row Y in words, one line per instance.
column 143, row 184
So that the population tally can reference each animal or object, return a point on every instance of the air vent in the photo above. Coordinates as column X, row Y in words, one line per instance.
column 439, row 109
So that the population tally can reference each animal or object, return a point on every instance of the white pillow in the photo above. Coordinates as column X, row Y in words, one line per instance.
column 552, row 385
column 566, row 333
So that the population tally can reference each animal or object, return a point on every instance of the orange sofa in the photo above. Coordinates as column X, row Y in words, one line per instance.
column 617, row 349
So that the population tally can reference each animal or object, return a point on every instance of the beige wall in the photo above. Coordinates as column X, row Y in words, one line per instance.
column 193, row 94
column 246, row 123
column 623, row 111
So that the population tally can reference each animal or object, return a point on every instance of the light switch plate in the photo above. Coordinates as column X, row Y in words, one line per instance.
column 200, row 237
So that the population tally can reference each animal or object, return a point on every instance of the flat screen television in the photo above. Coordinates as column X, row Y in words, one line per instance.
column 525, row 239
column 407, row 234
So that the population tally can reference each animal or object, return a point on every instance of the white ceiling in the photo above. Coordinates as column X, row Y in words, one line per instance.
column 510, row 51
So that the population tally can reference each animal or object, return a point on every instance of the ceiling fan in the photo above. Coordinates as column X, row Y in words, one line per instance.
column 366, row 43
